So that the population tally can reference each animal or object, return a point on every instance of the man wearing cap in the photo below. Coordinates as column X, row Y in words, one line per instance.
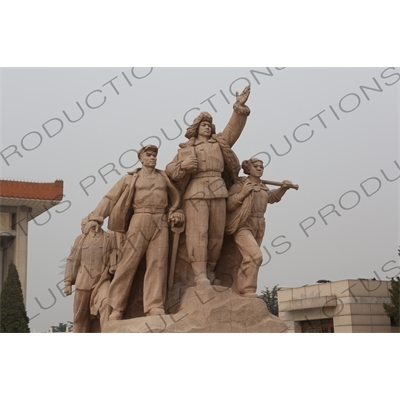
column 203, row 169
column 141, row 204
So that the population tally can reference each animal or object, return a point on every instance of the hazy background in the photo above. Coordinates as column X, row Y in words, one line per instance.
column 334, row 161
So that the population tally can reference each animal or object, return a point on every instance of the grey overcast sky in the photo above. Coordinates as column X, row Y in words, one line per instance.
column 333, row 131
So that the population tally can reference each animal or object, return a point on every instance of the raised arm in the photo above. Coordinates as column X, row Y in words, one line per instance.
column 238, row 119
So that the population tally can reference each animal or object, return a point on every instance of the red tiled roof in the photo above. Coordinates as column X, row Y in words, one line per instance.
column 32, row 190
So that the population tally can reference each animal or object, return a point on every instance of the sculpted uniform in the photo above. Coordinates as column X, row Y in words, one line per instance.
column 140, row 204
column 88, row 268
column 205, row 190
column 245, row 220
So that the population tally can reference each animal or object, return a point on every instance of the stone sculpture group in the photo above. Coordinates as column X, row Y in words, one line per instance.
column 194, row 228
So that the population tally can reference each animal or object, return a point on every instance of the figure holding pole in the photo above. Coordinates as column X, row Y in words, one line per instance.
column 246, row 206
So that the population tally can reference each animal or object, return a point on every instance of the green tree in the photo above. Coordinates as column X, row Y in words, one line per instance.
column 392, row 309
column 13, row 317
column 271, row 299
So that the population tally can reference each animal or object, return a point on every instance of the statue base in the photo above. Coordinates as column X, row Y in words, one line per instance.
column 215, row 309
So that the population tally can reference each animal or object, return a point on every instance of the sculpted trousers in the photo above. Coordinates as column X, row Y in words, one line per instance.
column 84, row 322
column 147, row 236
column 249, row 247
column 205, row 226
column 82, row 317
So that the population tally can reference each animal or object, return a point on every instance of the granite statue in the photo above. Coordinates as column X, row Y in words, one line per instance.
column 204, row 168
column 246, row 206
column 142, row 204
column 90, row 267
column 187, row 240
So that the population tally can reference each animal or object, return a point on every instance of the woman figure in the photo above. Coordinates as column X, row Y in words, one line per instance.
column 246, row 206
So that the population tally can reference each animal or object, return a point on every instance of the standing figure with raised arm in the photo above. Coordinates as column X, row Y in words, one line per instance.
column 204, row 168
column 141, row 204
column 246, row 205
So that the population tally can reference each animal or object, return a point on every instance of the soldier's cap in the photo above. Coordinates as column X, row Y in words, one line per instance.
column 151, row 147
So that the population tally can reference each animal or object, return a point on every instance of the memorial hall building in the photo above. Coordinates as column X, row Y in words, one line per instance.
column 20, row 202
column 348, row 306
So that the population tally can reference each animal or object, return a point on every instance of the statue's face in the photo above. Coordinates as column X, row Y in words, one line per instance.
column 204, row 129
column 148, row 158
column 257, row 169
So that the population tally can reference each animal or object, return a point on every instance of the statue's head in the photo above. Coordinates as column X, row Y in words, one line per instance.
column 91, row 217
column 253, row 166
column 148, row 155
column 83, row 223
column 193, row 129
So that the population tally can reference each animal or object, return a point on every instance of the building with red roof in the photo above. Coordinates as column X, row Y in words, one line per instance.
column 20, row 202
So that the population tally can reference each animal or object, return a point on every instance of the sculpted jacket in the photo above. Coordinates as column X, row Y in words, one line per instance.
column 88, row 260
column 218, row 165
column 88, row 266
column 117, row 204
column 255, row 204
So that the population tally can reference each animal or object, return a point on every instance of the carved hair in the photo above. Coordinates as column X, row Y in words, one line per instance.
column 246, row 164
column 192, row 130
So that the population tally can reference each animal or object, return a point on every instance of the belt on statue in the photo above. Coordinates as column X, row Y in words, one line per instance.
column 149, row 210
column 205, row 174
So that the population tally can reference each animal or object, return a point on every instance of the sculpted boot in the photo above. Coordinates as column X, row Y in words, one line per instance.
column 200, row 274
column 116, row 315
column 155, row 311
column 211, row 274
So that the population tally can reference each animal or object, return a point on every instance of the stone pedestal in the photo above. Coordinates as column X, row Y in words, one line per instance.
column 216, row 309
